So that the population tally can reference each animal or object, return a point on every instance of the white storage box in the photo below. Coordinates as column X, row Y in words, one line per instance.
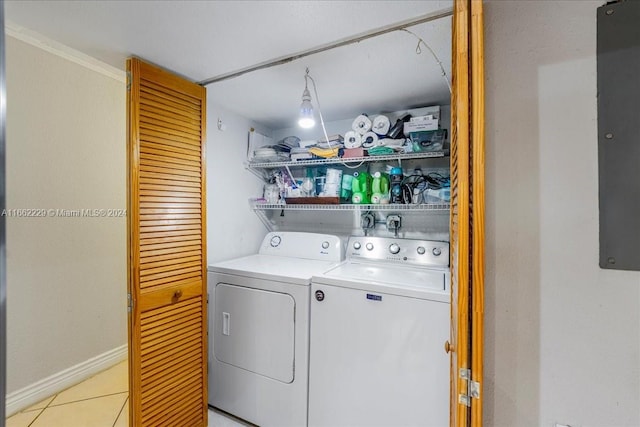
column 424, row 123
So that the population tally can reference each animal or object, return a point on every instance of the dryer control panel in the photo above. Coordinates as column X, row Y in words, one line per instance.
column 325, row 247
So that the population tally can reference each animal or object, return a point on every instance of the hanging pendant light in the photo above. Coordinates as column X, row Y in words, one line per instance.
column 306, row 119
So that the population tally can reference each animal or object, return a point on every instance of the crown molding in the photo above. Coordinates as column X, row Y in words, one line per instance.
column 45, row 43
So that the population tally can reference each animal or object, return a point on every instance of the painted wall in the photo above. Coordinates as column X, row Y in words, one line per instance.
column 562, row 336
column 66, row 276
column 233, row 229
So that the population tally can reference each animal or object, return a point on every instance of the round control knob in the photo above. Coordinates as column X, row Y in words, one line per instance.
column 369, row 246
column 436, row 251
column 325, row 245
column 394, row 248
column 421, row 250
column 356, row 245
column 275, row 241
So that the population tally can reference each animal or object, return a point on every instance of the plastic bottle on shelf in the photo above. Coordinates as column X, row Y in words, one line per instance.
column 308, row 186
column 395, row 176
column 380, row 188
column 361, row 188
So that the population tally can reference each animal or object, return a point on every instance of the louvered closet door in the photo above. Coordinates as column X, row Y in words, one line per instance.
column 167, row 259
column 467, row 210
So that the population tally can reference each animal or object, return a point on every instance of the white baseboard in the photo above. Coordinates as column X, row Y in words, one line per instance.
column 40, row 390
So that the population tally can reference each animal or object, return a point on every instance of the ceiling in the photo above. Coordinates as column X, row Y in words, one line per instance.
column 204, row 39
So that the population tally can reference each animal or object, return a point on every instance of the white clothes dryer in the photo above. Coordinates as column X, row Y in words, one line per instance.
column 259, row 327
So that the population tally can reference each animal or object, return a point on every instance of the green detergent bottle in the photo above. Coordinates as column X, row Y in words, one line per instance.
column 361, row 188
column 380, row 188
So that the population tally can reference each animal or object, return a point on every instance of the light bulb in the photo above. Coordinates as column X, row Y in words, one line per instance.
column 306, row 120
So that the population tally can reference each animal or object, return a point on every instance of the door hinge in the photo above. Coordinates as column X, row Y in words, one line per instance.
column 473, row 388
column 128, row 81
column 129, row 303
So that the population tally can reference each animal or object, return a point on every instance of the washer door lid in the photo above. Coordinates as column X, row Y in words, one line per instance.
column 400, row 277
column 254, row 330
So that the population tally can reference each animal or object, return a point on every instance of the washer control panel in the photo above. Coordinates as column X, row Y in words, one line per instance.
column 403, row 251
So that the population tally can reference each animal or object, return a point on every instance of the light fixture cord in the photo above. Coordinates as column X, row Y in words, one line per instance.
column 326, row 136
column 419, row 51
column 315, row 92
column 307, row 76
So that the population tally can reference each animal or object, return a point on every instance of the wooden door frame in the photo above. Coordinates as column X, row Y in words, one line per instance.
column 467, row 212
column 478, row 185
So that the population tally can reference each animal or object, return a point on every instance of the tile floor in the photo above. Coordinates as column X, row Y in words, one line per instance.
column 100, row 401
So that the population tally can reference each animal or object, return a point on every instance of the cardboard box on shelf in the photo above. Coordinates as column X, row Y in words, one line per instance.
column 353, row 152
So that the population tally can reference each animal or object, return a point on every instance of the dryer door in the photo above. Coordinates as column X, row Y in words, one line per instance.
column 254, row 330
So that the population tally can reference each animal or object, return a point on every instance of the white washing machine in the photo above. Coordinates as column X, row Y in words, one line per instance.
column 259, row 327
column 378, row 326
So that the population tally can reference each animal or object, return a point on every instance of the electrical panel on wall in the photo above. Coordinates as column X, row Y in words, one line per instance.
column 618, row 54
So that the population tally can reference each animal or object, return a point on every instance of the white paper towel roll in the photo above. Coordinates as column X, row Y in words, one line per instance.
column 381, row 125
column 352, row 139
column 369, row 139
column 391, row 143
column 362, row 124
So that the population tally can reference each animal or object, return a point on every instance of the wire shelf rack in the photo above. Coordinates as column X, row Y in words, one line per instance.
column 349, row 207
column 349, row 161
